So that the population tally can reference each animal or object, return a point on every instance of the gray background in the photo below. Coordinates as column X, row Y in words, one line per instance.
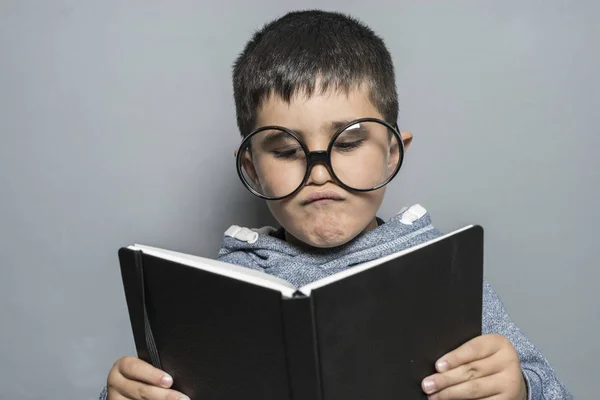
column 117, row 126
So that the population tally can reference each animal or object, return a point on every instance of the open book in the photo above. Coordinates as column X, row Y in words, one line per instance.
column 372, row 331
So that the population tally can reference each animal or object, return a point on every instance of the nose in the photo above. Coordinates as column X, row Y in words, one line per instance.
column 319, row 174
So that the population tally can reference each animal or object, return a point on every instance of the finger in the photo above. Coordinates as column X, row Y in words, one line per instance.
column 475, row 349
column 139, row 370
column 462, row 373
column 473, row 389
column 134, row 390
column 113, row 394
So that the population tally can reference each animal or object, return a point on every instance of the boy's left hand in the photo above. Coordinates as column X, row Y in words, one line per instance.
column 486, row 367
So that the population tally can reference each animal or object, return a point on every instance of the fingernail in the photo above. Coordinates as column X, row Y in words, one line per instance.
column 166, row 380
column 184, row 398
column 429, row 386
column 442, row 366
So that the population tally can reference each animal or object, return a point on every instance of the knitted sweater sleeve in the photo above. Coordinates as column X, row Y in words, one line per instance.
column 541, row 380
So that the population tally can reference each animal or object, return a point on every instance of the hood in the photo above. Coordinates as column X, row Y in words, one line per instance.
column 261, row 250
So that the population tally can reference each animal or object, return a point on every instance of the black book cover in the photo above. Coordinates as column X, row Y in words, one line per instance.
column 372, row 335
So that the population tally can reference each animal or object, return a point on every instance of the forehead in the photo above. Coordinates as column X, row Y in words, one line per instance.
column 317, row 113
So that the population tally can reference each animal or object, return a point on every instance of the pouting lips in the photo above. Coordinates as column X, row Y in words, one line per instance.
column 319, row 195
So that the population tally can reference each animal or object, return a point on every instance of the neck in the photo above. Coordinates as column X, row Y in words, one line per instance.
column 297, row 242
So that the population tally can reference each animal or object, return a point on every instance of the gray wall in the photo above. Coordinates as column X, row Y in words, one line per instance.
column 117, row 126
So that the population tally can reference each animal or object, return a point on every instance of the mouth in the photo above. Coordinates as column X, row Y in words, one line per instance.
column 322, row 196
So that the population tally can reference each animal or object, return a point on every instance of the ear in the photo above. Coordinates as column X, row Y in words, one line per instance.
column 407, row 138
column 248, row 167
column 235, row 152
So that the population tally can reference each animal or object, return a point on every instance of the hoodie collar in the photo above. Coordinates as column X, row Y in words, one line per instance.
column 266, row 242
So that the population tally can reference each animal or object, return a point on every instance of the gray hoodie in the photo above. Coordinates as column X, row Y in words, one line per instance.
column 265, row 250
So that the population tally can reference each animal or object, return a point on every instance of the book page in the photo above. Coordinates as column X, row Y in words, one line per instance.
column 306, row 289
column 243, row 274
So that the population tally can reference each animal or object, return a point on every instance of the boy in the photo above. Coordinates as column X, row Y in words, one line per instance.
column 316, row 104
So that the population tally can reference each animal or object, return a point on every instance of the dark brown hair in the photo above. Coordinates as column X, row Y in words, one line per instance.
column 303, row 48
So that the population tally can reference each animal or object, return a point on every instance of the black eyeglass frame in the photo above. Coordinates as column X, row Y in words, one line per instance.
column 318, row 157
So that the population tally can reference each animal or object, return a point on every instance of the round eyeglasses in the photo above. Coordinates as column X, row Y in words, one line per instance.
column 273, row 162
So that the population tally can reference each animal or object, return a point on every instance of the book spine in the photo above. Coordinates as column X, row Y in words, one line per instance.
column 301, row 348
column 149, row 336
column 132, row 274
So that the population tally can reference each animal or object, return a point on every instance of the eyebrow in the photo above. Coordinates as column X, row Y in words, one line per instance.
column 331, row 126
column 273, row 136
column 335, row 125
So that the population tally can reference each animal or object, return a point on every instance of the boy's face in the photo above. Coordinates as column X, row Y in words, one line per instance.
column 328, row 222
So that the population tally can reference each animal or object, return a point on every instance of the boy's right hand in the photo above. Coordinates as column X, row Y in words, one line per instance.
column 133, row 379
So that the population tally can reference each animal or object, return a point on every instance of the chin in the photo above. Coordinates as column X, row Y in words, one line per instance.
column 326, row 238
column 321, row 227
column 325, row 244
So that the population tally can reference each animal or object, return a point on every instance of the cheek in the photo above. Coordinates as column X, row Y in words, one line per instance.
column 372, row 172
column 371, row 201
column 279, row 179
column 282, row 212
column 364, row 170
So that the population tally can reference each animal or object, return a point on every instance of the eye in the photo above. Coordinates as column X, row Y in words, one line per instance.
column 289, row 153
column 349, row 145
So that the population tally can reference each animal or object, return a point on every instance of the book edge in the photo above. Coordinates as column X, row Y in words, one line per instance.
column 240, row 273
column 307, row 289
